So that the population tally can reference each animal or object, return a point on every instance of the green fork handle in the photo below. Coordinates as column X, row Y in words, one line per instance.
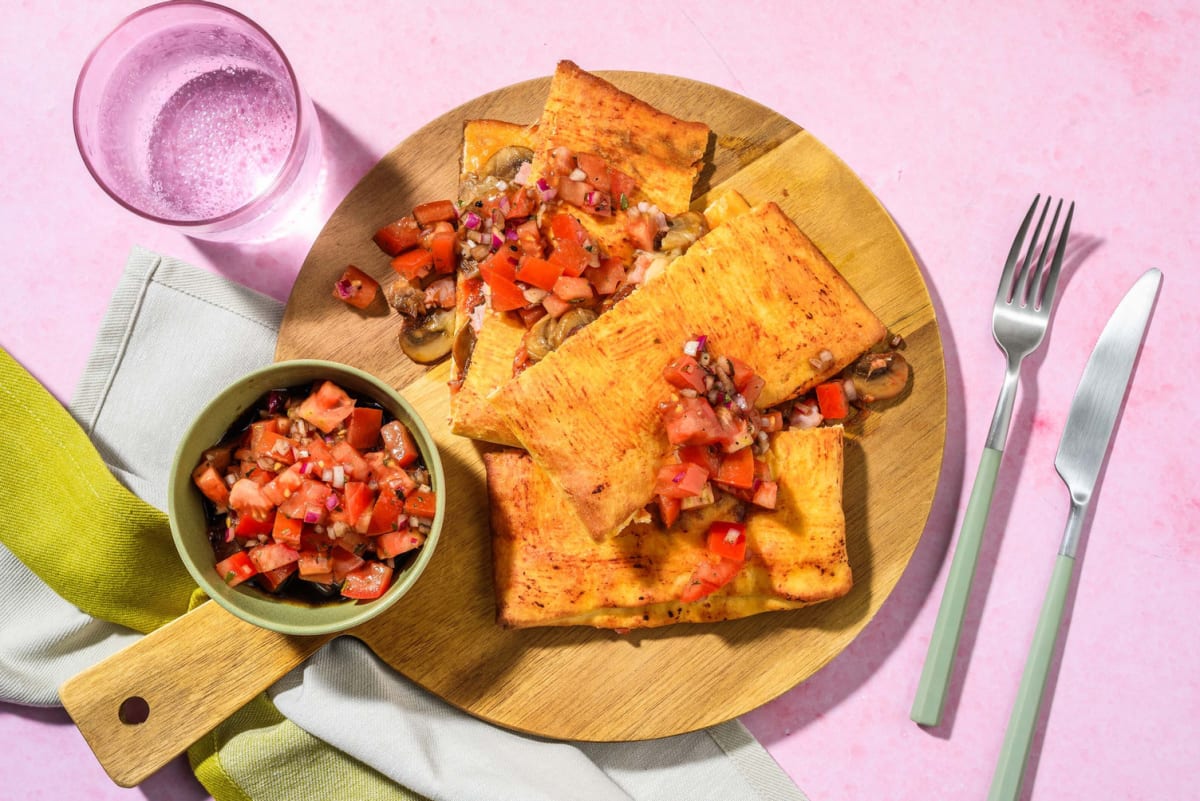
column 943, row 644
column 1010, row 769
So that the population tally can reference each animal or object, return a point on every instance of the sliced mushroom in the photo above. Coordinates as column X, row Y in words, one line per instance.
column 428, row 338
column 464, row 346
column 550, row 332
column 506, row 161
column 879, row 376
column 683, row 230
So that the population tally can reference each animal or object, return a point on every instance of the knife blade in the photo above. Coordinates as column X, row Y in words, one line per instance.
column 1081, row 451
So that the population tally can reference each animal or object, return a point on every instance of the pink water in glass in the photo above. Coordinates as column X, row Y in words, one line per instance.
column 190, row 115
column 219, row 141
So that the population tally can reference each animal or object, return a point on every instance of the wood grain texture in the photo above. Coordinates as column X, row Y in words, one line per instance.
column 192, row 674
column 596, row 685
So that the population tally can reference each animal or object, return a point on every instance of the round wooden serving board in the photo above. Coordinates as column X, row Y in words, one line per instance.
column 586, row 684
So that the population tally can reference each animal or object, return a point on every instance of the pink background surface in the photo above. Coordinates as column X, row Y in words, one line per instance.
column 955, row 115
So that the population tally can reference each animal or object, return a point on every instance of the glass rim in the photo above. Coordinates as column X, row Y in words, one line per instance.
column 302, row 112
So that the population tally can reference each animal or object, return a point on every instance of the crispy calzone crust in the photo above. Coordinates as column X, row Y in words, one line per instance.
column 590, row 413
column 549, row 571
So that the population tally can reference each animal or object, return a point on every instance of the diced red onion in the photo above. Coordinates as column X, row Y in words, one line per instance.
column 701, row 341
column 510, row 234
column 472, row 220
column 331, row 502
column 275, row 398
column 504, row 205
column 496, row 241
column 542, row 185
column 312, row 514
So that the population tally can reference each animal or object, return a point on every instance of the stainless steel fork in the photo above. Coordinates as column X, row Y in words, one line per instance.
column 1020, row 316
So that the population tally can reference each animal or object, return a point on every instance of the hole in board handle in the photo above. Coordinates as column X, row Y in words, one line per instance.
column 133, row 711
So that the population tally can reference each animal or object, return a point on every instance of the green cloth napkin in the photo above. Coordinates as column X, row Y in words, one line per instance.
column 94, row 542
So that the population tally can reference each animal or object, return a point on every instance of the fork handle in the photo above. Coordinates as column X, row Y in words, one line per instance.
column 943, row 644
column 1014, row 754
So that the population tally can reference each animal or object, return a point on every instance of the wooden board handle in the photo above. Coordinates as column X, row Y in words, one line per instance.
column 147, row 703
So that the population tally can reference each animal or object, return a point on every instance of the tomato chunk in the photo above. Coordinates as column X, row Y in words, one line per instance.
column 209, row 480
column 831, row 399
column 573, row 289
column 368, row 581
column 272, row 555
column 343, row 562
column 397, row 237
column 287, row 531
column 538, row 272
column 766, row 494
column 327, row 407
column 394, row 543
column 386, row 513
column 435, row 211
column 398, row 443
column 421, row 504
column 608, row 277
column 362, row 427
column 692, row 421
column 247, row 499
column 573, row 258
column 354, row 466
column 251, row 526
column 315, row 562
column 684, row 480
column 668, row 509
column 685, row 372
column 235, row 569
column 356, row 288
column 737, row 469
column 355, row 500
column 727, row 540
column 443, row 247
column 414, row 264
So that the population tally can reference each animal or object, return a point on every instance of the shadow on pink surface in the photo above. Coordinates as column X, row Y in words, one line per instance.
column 271, row 267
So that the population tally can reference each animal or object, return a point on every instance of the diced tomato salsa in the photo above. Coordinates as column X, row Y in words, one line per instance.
column 316, row 495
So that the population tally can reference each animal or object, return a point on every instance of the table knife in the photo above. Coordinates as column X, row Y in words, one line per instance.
column 1081, row 451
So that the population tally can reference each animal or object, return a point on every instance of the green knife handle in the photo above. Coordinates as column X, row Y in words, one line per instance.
column 943, row 644
column 1010, row 770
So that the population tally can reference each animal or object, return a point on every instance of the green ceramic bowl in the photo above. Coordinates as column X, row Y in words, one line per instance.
column 186, row 507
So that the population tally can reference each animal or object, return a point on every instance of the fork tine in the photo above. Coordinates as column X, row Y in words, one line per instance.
column 1031, row 289
column 1047, row 298
column 1024, row 282
column 1004, row 292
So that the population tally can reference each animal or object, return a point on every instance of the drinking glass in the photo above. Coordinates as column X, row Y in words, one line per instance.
column 190, row 115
